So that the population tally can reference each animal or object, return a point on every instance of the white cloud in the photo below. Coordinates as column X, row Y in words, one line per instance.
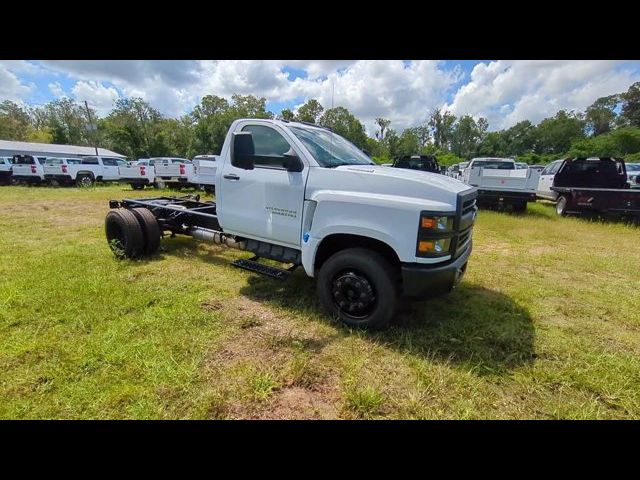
column 98, row 96
column 503, row 91
column 507, row 92
column 56, row 89
column 11, row 87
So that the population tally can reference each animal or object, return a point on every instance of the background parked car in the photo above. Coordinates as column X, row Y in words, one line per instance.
column 425, row 163
column 56, row 169
column 28, row 169
column 521, row 166
column 546, row 181
column 633, row 173
column 6, row 166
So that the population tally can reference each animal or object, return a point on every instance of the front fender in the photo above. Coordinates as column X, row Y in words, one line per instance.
column 388, row 218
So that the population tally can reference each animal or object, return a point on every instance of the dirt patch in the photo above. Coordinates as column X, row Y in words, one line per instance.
column 299, row 403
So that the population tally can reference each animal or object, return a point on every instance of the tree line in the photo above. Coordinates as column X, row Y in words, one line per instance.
column 610, row 126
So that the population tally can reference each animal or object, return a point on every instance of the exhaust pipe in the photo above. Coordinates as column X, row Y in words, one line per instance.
column 211, row 236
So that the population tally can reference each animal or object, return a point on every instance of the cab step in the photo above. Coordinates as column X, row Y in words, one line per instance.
column 254, row 266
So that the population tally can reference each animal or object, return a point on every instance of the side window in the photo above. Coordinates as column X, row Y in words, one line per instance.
column 269, row 145
column 42, row 160
column 74, row 161
column 554, row 168
column 109, row 162
column 90, row 161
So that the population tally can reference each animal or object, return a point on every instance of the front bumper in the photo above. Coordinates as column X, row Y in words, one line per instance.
column 420, row 280
column 58, row 177
column 27, row 178
column 500, row 196
column 136, row 181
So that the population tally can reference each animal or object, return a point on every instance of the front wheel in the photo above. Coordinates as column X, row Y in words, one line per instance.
column 360, row 287
column 561, row 205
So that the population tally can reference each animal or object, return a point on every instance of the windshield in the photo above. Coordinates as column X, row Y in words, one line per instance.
column 330, row 149
column 633, row 167
column 464, row 164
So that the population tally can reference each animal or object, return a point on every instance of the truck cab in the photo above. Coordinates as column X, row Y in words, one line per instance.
column 303, row 195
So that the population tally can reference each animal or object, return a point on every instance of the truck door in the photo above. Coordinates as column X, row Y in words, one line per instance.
column 546, row 180
column 109, row 169
column 266, row 202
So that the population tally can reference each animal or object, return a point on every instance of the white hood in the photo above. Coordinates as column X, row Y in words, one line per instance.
column 387, row 181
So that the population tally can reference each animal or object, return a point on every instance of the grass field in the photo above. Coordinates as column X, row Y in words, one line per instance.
column 546, row 324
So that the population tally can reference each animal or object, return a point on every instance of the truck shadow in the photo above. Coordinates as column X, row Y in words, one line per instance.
column 478, row 329
column 481, row 330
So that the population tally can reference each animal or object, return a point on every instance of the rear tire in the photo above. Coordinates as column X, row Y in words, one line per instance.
column 150, row 229
column 159, row 184
column 137, row 186
column 561, row 205
column 124, row 234
column 84, row 180
column 360, row 287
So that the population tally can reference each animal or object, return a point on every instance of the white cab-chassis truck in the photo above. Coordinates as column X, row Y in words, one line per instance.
column 302, row 195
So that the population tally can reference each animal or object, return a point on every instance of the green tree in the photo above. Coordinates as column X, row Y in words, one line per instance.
column 631, row 105
column 601, row 116
column 131, row 128
column 344, row 123
column 408, row 143
column 556, row 134
column 520, row 138
column 383, row 123
column 442, row 126
column 14, row 121
column 310, row 112
column 494, row 145
column 467, row 136
column 287, row 114
column 67, row 121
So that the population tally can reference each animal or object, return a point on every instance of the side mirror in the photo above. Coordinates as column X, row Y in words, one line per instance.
column 292, row 162
column 242, row 151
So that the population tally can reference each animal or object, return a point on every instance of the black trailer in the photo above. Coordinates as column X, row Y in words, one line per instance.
column 595, row 185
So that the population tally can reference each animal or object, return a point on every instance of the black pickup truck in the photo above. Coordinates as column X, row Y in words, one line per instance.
column 595, row 185
column 425, row 163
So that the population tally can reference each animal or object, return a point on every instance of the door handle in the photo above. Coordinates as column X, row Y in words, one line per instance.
column 231, row 176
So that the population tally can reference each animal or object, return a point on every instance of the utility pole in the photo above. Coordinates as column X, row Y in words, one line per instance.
column 91, row 126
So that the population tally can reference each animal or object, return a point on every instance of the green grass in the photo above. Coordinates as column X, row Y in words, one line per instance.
column 546, row 324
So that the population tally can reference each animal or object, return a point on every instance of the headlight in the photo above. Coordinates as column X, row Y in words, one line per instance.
column 434, row 246
column 437, row 224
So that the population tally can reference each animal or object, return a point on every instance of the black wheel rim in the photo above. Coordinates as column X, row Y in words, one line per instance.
column 116, row 239
column 353, row 294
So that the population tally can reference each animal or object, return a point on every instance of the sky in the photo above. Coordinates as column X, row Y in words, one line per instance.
column 404, row 91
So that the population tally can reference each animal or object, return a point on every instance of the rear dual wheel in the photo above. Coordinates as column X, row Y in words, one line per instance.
column 132, row 233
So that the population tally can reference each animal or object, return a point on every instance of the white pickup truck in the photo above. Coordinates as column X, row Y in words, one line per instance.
column 28, row 169
column 500, row 182
column 91, row 169
column 6, row 169
column 172, row 172
column 139, row 174
column 205, row 168
column 304, row 196
column 56, row 169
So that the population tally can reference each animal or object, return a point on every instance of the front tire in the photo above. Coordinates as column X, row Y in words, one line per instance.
column 561, row 205
column 360, row 287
